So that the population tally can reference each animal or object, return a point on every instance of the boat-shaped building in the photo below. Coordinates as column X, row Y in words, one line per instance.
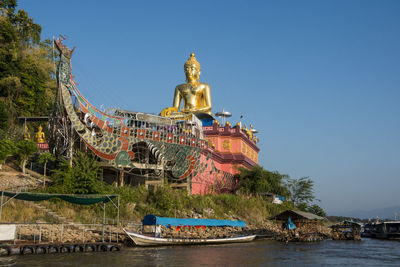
column 186, row 146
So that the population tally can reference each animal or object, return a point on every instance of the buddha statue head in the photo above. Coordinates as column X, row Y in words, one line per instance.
column 192, row 69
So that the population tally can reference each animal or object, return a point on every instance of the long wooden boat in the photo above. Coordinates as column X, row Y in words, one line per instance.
column 142, row 240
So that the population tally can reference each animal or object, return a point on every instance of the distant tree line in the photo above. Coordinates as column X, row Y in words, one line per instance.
column 345, row 218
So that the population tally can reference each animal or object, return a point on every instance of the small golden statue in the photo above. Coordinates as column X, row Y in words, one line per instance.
column 196, row 95
column 27, row 136
column 39, row 136
column 249, row 133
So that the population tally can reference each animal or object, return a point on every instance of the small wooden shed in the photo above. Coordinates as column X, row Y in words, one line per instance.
column 296, row 215
column 305, row 222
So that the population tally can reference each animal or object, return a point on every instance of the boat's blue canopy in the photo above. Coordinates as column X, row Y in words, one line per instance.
column 155, row 220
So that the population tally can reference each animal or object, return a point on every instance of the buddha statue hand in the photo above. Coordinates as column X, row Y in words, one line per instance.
column 166, row 112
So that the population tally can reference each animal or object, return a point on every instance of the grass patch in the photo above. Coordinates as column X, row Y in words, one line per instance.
column 19, row 211
column 136, row 202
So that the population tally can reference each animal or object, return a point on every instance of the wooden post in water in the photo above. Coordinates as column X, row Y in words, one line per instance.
column 83, row 235
column 40, row 233
column 61, row 234
column 51, row 233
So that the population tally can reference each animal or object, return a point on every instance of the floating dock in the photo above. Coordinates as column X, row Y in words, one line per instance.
column 52, row 248
column 51, row 238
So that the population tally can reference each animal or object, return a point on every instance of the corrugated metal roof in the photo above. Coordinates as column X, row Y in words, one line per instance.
column 295, row 214
column 308, row 215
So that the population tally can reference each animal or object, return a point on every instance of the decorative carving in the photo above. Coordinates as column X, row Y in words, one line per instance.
column 192, row 61
column 226, row 144
column 113, row 140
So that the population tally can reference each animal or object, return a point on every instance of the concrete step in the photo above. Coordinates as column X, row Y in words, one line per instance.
column 51, row 213
column 56, row 216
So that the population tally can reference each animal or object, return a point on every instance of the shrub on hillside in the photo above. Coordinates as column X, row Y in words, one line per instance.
column 258, row 180
column 82, row 178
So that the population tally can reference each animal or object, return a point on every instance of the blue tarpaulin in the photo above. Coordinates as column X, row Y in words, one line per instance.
column 155, row 220
column 290, row 224
column 281, row 198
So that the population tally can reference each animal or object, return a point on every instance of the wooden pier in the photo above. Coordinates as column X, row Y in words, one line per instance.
column 50, row 238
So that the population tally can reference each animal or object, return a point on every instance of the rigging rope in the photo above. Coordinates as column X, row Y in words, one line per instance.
column 97, row 89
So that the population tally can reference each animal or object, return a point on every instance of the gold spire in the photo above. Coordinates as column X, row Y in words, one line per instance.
column 192, row 61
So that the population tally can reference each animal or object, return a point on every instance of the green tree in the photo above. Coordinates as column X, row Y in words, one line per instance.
column 29, row 32
column 7, row 148
column 85, row 173
column 43, row 159
column 3, row 116
column 62, row 178
column 25, row 149
column 81, row 178
column 27, row 80
column 259, row 180
column 301, row 191
column 8, row 6
column 9, row 51
column 316, row 210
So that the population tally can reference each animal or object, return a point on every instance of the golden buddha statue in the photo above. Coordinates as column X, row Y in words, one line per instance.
column 27, row 136
column 196, row 95
column 39, row 136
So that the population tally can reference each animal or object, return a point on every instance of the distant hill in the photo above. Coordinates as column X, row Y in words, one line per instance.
column 382, row 213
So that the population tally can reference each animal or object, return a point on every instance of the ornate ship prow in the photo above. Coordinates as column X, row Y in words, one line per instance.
column 122, row 139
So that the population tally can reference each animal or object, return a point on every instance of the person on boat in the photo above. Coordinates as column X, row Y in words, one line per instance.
column 157, row 232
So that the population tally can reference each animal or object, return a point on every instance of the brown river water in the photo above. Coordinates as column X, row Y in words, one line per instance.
column 368, row 252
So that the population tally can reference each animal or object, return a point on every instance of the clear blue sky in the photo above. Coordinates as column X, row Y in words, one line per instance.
column 319, row 79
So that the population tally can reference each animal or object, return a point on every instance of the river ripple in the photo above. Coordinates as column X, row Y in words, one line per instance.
column 368, row 252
